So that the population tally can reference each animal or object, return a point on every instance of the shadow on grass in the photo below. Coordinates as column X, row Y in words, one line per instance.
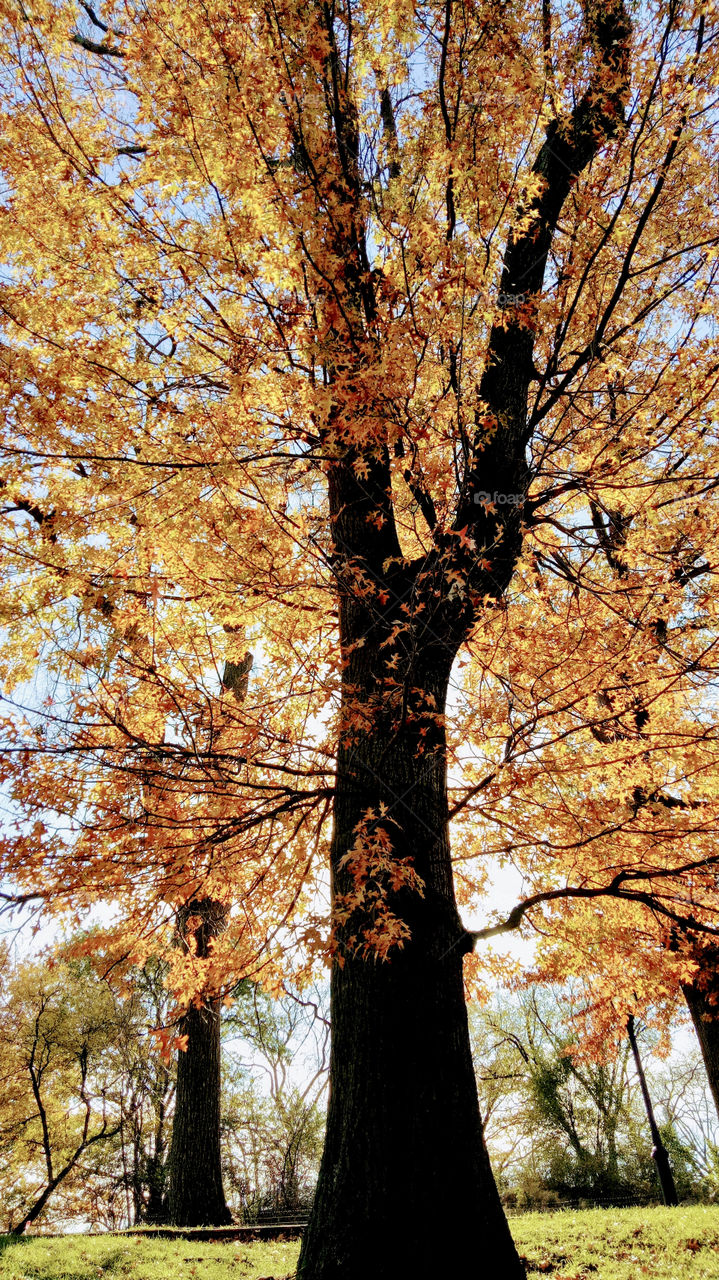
column 111, row 1260
column 6, row 1241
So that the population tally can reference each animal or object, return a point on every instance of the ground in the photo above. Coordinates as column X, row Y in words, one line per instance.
column 593, row 1244
column 621, row 1244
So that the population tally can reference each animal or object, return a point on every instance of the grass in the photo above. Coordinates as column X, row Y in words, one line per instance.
column 620, row 1244
column 591, row 1244
column 140, row 1258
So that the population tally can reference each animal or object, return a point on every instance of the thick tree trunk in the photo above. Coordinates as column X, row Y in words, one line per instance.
column 705, row 1017
column 197, row 1198
column 405, row 1187
column 196, row 1195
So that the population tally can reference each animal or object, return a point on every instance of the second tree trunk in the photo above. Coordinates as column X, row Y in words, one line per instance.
column 196, row 1197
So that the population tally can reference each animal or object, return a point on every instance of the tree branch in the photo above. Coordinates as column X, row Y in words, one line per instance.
column 614, row 889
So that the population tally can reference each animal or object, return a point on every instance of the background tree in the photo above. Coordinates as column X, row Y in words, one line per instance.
column 701, row 992
column 196, row 1194
column 58, row 1023
column 58, row 1010
column 276, row 1069
column 146, row 1086
column 567, row 1126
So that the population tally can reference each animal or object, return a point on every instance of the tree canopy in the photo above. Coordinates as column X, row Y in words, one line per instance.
column 378, row 342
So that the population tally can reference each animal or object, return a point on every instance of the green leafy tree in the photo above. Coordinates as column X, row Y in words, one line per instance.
column 58, row 1021
column 562, row 1126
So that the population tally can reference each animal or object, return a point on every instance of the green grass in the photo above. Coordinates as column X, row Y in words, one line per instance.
column 593, row 1244
column 620, row 1244
column 140, row 1258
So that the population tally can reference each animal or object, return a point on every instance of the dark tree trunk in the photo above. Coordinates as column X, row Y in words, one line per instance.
column 660, row 1155
column 405, row 1187
column 156, row 1210
column 197, row 1198
column 196, row 1195
column 705, row 1016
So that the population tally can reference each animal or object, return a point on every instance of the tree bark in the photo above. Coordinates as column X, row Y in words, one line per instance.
column 405, row 1186
column 196, row 1195
column 705, row 1016
column 660, row 1155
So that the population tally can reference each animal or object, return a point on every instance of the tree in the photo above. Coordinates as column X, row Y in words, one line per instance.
column 660, row 1155
column 57, row 1023
column 569, row 1126
column 59, row 1017
column 77, row 1050
column 276, row 1072
column 315, row 318
column 145, row 1095
column 575, row 1112
column 196, row 1194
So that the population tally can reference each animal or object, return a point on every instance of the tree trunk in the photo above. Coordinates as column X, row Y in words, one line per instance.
column 660, row 1155
column 156, row 1209
column 196, row 1195
column 197, row 1198
column 405, row 1186
column 705, row 1016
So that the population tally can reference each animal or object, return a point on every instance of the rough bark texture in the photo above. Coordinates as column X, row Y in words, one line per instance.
column 196, row 1196
column 705, row 1016
column 406, row 1188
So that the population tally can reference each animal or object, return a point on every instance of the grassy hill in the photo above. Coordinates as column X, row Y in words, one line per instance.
column 593, row 1244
